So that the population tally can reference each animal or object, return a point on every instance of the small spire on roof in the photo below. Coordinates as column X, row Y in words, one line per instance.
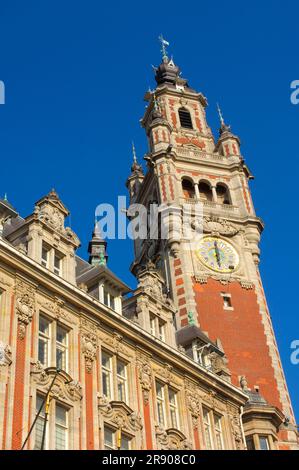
column 5, row 197
column 97, row 247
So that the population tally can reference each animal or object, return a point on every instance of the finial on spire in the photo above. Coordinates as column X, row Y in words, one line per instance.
column 164, row 44
column 134, row 152
column 223, row 127
column 220, row 115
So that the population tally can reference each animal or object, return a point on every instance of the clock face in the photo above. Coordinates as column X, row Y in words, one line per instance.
column 217, row 254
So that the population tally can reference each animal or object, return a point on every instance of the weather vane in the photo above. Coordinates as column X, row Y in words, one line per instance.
column 164, row 43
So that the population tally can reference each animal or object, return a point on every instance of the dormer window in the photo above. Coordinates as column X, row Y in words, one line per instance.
column 109, row 299
column 45, row 256
column 52, row 259
column 185, row 118
column 57, row 263
column 157, row 327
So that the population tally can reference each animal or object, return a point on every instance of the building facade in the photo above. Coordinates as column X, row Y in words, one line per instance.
column 188, row 360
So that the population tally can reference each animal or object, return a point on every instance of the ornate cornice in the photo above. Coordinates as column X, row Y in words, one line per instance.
column 119, row 414
column 64, row 388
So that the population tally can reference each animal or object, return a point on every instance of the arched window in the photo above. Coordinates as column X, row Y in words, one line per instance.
column 205, row 191
column 185, row 118
column 188, row 189
column 223, row 196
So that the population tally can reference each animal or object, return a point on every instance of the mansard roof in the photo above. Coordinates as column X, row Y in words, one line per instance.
column 88, row 274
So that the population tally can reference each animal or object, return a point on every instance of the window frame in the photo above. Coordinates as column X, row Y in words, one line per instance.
column 52, row 341
column 114, row 432
column 114, row 377
column 210, row 429
column 164, row 404
column 50, row 438
column 187, row 115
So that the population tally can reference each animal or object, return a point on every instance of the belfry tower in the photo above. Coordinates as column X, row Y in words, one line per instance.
column 217, row 286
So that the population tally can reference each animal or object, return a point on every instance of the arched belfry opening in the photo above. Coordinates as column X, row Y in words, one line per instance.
column 223, row 196
column 205, row 191
column 188, row 189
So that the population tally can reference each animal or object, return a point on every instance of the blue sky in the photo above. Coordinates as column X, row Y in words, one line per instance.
column 75, row 74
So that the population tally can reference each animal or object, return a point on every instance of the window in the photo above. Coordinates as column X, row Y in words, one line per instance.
column 39, row 426
column 115, row 439
column 108, row 298
column 157, row 327
column 264, row 443
column 161, row 328
column 218, row 432
column 153, row 325
column 160, row 403
column 61, row 427
column 227, row 301
column 52, row 344
column 45, row 255
column 173, row 407
column 121, row 380
column 57, row 264
column 207, row 428
column 109, row 439
column 249, row 443
column 185, row 118
column 106, row 374
column 213, row 433
column 61, row 347
column 167, row 406
column 44, row 341
column 114, row 377
column 57, row 427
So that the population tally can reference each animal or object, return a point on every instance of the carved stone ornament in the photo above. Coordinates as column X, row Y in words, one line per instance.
column 56, row 308
column 152, row 285
column 219, row 365
column 171, row 439
column 193, row 403
column 25, row 305
column 5, row 354
column 54, row 218
column 119, row 414
column 88, row 343
column 220, row 226
column 64, row 388
column 145, row 376
column 167, row 375
column 235, row 425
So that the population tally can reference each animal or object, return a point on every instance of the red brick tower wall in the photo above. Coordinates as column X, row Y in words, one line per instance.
column 241, row 333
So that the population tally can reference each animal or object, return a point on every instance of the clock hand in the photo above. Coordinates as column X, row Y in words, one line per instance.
column 217, row 253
